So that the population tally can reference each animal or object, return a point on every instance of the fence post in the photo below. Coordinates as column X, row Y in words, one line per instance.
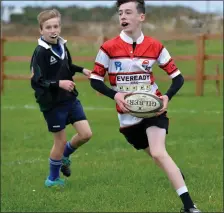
column 2, row 59
column 200, row 65
column 217, row 82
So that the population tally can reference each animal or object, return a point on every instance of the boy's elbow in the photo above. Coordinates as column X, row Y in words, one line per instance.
column 94, row 83
column 182, row 80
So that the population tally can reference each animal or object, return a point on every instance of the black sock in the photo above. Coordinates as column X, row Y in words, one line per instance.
column 186, row 200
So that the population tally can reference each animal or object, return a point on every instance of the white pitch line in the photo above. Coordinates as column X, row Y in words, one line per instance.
column 33, row 107
column 29, row 161
column 98, row 151
column 91, row 108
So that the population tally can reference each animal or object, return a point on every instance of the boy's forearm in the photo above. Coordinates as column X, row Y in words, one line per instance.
column 177, row 83
column 49, row 84
column 102, row 88
column 75, row 68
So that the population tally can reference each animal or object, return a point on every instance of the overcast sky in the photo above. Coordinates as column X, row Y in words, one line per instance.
column 214, row 6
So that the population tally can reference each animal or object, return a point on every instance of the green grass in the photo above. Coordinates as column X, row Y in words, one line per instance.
column 108, row 174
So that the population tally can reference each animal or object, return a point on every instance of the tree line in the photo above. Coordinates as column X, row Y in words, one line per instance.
column 73, row 14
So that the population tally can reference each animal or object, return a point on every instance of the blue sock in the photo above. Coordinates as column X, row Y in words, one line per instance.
column 68, row 150
column 55, row 166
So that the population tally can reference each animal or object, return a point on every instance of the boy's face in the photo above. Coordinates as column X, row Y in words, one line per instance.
column 51, row 29
column 129, row 18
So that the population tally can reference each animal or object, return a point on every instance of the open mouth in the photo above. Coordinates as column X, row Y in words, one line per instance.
column 124, row 24
column 54, row 36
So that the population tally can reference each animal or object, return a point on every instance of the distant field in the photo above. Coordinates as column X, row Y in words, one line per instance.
column 88, row 49
column 108, row 174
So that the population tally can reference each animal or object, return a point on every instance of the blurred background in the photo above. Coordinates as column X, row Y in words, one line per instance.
column 95, row 18
column 109, row 175
column 87, row 24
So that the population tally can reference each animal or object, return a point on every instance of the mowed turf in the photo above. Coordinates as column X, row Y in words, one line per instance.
column 108, row 174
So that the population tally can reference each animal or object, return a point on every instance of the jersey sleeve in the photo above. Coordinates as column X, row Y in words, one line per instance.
column 166, row 63
column 101, row 64
column 38, row 66
column 74, row 68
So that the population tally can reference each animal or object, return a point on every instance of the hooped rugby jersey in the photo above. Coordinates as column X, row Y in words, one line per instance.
column 131, row 70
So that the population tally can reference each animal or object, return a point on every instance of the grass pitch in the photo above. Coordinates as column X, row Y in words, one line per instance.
column 108, row 174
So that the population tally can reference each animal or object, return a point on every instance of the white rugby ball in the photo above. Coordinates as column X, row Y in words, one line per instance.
column 143, row 105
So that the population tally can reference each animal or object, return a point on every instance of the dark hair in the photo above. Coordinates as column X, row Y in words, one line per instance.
column 140, row 4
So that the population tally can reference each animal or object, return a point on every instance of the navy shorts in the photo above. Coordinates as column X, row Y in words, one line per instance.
column 66, row 113
column 136, row 134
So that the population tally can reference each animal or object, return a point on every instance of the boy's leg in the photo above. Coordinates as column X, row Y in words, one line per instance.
column 59, row 145
column 56, row 159
column 56, row 121
column 78, row 119
column 83, row 135
column 156, row 138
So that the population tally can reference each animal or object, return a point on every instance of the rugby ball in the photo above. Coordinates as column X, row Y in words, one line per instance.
column 143, row 105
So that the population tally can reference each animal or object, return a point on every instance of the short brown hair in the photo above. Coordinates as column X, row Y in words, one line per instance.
column 140, row 4
column 46, row 15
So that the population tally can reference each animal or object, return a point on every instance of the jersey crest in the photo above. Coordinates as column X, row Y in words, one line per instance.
column 53, row 60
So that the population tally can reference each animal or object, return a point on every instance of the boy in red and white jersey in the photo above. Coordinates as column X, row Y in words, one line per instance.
column 128, row 59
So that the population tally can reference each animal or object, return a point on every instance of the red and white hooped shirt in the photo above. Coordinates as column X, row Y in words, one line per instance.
column 129, row 70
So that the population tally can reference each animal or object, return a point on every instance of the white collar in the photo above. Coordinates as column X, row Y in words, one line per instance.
column 129, row 40
column 46, row 46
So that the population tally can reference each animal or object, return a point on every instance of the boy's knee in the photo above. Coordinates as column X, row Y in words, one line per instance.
column 86, row 135
column 158, row 155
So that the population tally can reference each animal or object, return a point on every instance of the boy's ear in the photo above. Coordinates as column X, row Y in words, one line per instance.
column 40, row 30
column 142, row 17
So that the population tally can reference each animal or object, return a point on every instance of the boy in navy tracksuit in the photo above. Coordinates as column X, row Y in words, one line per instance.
column 55, row 92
